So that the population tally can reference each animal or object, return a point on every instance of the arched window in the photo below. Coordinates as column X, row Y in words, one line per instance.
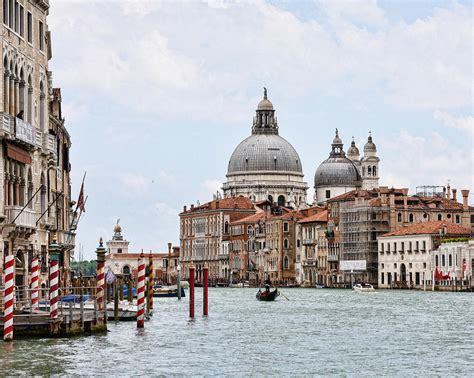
column 399, row 217
column 443, row 260
column 6, row 85
column 374, row 170
column 369, row 171
column 30, row 189
column 440, row 217
column 436, row 260
column 270, row 199
column 126, row 269
column 249, row 230
column 285, row 262
column 450, row 259
column 42, row 107
column 458, row 219
column 43, row 194
column 281, row 200
column 411, row 218
column 21, row 87
column 29, row 105
column 21, row 192
column 286, row 244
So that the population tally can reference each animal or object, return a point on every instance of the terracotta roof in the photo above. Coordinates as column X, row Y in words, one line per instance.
column 241, row 203
column 254, row 218
column 319, row 217
column 289, row 215
column 432, row 227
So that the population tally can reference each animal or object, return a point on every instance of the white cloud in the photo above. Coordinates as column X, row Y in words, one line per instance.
column 167, row 210
column 465, row 124
column 135, row 184
column 199, row 60
column 212, row 186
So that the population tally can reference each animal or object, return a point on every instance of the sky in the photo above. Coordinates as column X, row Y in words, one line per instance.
column 157, row 95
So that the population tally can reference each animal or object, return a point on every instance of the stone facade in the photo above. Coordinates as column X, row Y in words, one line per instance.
column 35, row 188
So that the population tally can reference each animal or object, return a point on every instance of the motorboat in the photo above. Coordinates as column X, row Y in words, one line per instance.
column 363, row 288
column 126, row 310
column 167, row 292
column 320, row 286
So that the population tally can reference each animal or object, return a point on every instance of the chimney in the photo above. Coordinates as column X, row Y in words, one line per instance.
column 465, row 196
column 405, row 198
column 192, row 206
column 455, row 197
column 169, row 248
column 444, row 192
column 184, row 208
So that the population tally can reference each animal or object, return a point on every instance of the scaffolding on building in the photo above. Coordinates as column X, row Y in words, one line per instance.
column 360, row 225
column 430, row 191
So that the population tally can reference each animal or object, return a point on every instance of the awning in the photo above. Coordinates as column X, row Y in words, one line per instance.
column 18, row 154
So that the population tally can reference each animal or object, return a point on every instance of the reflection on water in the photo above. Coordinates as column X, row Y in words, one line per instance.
column 315, row 332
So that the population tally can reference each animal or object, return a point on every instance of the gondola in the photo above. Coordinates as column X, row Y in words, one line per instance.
column 265, row 296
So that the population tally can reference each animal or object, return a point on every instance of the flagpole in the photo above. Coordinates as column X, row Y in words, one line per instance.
column 81, row 192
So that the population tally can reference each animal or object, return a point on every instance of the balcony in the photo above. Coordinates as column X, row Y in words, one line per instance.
column 50, row 144
column 333, row 258
column 309, row 241
column 26, row 219
column 7, row 123
column 25, row 132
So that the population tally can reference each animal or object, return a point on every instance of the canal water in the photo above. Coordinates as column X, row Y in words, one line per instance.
column 314, row 332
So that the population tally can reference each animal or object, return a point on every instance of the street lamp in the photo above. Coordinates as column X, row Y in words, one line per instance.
column 178, row 283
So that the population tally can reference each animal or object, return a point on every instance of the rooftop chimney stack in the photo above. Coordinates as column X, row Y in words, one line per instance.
column 465, row 196
column 449, row 192
column 184, row 208
column 455, row 197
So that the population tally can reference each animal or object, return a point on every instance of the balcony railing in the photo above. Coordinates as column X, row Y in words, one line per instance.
column 333, row 258
column 309, row 241
column 26, row 219
column 25, row 131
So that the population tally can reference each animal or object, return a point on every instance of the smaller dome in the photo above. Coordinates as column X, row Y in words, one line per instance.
column 370, row 146
column 353, row 150
column 336, row 139
column 117, row 228
column 265, row 104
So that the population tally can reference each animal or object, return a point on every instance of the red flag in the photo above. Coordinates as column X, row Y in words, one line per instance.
column 80, row 201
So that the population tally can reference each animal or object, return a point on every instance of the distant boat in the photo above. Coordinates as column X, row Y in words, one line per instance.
column 320, row 286
column 265, row 296
column 363, row 288
column 167, row 292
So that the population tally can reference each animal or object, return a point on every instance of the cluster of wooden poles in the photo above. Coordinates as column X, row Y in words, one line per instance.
column 205, row 290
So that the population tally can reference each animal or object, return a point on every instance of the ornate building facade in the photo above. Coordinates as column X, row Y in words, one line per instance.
column 265, row 166
column 35, row 188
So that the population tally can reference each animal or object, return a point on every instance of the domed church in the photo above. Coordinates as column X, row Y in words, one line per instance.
column 265, row 166
column 339, row 174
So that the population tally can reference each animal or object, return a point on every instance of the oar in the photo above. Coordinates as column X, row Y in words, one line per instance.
column 284, row 296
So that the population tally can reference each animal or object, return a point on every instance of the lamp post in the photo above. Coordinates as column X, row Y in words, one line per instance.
column 178, row 283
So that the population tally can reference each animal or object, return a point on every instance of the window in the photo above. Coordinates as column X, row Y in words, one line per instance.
column 382, row 247
column 29, row 26
column 399, row 217
column 410, row 265
column 443, row 260
column 41, row 35
column 286, row 227
column 450, row 259
column 424, row 264
column 298, row 243
column 436, row 260
column 388, row 247
column 286, row 244
column 328, row 194
column 382, row 278
column 403, row 247
column 417, row 246
column 472, row 218
column 458, row 219
column 285, row 262
column 22, row 22
column 119, row 250
column 440, row 217
column 126, row 269
column 226, row 227
column 424, row 245
column 410, row 217
column 395, row 265
column 409, row 246
column 5, row 12
column 395, row 247
column 374, row 171
column 281, row 201
column 369, row 171
column 383, row 265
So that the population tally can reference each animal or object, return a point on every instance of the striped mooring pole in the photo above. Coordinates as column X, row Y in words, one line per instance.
column 151, row 279
column 141, row 292
column 34, row 282
column 53, row 280
column 9, row 297
column 100, row 251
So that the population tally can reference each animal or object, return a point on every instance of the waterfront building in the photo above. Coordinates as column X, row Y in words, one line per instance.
column 204, row 235
column 407, row 257
column 265, row 166
column 35, row 187
column 122, row 262
column 361, row 216
column 339, row 174
column 315, row 267
column 455, row 257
